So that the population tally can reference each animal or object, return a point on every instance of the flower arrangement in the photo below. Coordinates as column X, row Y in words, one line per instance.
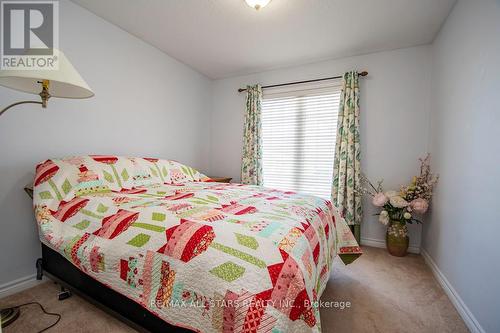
column 406, row 204
column 401, row 207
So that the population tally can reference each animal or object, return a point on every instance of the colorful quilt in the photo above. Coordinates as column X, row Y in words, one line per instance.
column 207, row 256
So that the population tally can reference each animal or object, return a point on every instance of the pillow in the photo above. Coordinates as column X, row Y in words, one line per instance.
column 180, row 173
column 81, row 175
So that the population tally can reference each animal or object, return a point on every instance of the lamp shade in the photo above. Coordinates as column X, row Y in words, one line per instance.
column 65, row 82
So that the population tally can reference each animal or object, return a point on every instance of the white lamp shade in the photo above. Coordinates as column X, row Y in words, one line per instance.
column 65, row 82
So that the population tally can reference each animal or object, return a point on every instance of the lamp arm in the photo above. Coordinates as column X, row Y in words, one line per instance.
column 17, row 103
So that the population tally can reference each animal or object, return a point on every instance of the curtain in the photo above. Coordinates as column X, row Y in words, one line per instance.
column 251, row 162
column 346, row 168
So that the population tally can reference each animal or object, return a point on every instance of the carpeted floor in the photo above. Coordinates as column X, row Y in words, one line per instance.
column 386, row 294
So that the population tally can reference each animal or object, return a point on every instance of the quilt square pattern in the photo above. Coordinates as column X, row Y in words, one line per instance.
column 211, row 257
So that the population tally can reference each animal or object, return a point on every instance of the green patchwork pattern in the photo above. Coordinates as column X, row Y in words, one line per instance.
column 82, row 225
column 66, row 186
column 101, row 208
column 247, row 241
column 45, row 195
column 158, row 217
column 228, row 271
column 148, row 226
column 125, row 175
column 108, row 176
column 91, row 214
column 239, row 254
column 139, row 240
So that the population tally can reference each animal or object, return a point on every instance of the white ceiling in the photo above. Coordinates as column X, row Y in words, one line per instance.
column 223, row 38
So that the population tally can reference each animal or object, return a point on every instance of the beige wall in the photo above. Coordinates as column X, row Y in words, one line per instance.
column 394, row 119
column 145, row 104
column 462, row 233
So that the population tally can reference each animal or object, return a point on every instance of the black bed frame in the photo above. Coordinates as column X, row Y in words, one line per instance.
column 60, row 270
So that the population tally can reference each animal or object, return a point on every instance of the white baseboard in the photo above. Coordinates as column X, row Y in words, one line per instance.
column 454, row 297
column 381, row 243
column 18, row 285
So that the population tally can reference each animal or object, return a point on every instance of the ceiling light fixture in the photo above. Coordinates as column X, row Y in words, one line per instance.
column 257, row 4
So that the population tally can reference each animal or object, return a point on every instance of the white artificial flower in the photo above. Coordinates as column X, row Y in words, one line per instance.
column 384, row 217
column 407, row 216
column 398, row 202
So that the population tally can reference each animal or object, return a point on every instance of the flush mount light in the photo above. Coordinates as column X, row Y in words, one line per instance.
column 257, row 4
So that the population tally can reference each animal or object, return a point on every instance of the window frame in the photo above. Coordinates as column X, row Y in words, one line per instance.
column 302, row 92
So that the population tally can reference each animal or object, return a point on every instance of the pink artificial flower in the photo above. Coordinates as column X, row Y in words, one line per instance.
column 419, row 205
column 379, row 200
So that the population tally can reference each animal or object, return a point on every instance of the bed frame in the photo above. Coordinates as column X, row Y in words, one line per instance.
column 60, row 270
column 63, row 272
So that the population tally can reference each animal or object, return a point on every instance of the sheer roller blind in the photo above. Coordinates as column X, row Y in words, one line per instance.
column 299, row 127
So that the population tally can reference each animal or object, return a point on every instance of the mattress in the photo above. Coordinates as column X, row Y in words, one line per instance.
column 211, row 257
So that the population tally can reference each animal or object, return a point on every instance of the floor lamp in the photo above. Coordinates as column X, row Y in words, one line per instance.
column 64, row 82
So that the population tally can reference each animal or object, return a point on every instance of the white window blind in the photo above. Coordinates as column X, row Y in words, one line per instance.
column 299, row 126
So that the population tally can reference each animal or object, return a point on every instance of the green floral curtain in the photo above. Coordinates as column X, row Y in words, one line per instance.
column 251, row 162
column 346, row 168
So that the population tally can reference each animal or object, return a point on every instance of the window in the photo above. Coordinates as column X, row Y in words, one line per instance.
column 299, row 126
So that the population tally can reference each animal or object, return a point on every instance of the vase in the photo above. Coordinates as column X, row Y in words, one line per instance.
column 397, row 239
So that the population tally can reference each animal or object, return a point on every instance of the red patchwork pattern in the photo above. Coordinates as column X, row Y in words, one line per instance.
column 45, row 171
column 187, row 240
column 131, row 191
column 179, row 195
column 166, row 285
column 228, row 316
column 253, row 317
column 288, row 284
column 96, row 260
column 69, row 209
column 316, row 254
column 242, row 305
column 238, row 209
column 106, row 159
column 117, row 223
column 76, row 247
column 350, row 249
column 123, row 269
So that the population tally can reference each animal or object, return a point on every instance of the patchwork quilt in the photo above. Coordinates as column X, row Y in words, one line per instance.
column 211, row 257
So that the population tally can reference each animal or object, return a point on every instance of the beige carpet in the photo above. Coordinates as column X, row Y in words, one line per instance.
column 387, row 294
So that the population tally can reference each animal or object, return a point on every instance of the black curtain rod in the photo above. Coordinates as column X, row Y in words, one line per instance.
column 364, row 73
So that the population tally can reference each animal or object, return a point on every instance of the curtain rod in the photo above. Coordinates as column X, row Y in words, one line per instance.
column 363, row 73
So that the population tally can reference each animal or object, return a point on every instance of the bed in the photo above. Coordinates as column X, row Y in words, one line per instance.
column 163, row 241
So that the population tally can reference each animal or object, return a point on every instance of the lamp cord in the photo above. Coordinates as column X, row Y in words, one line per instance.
column 17, row 103
column 44, row 311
